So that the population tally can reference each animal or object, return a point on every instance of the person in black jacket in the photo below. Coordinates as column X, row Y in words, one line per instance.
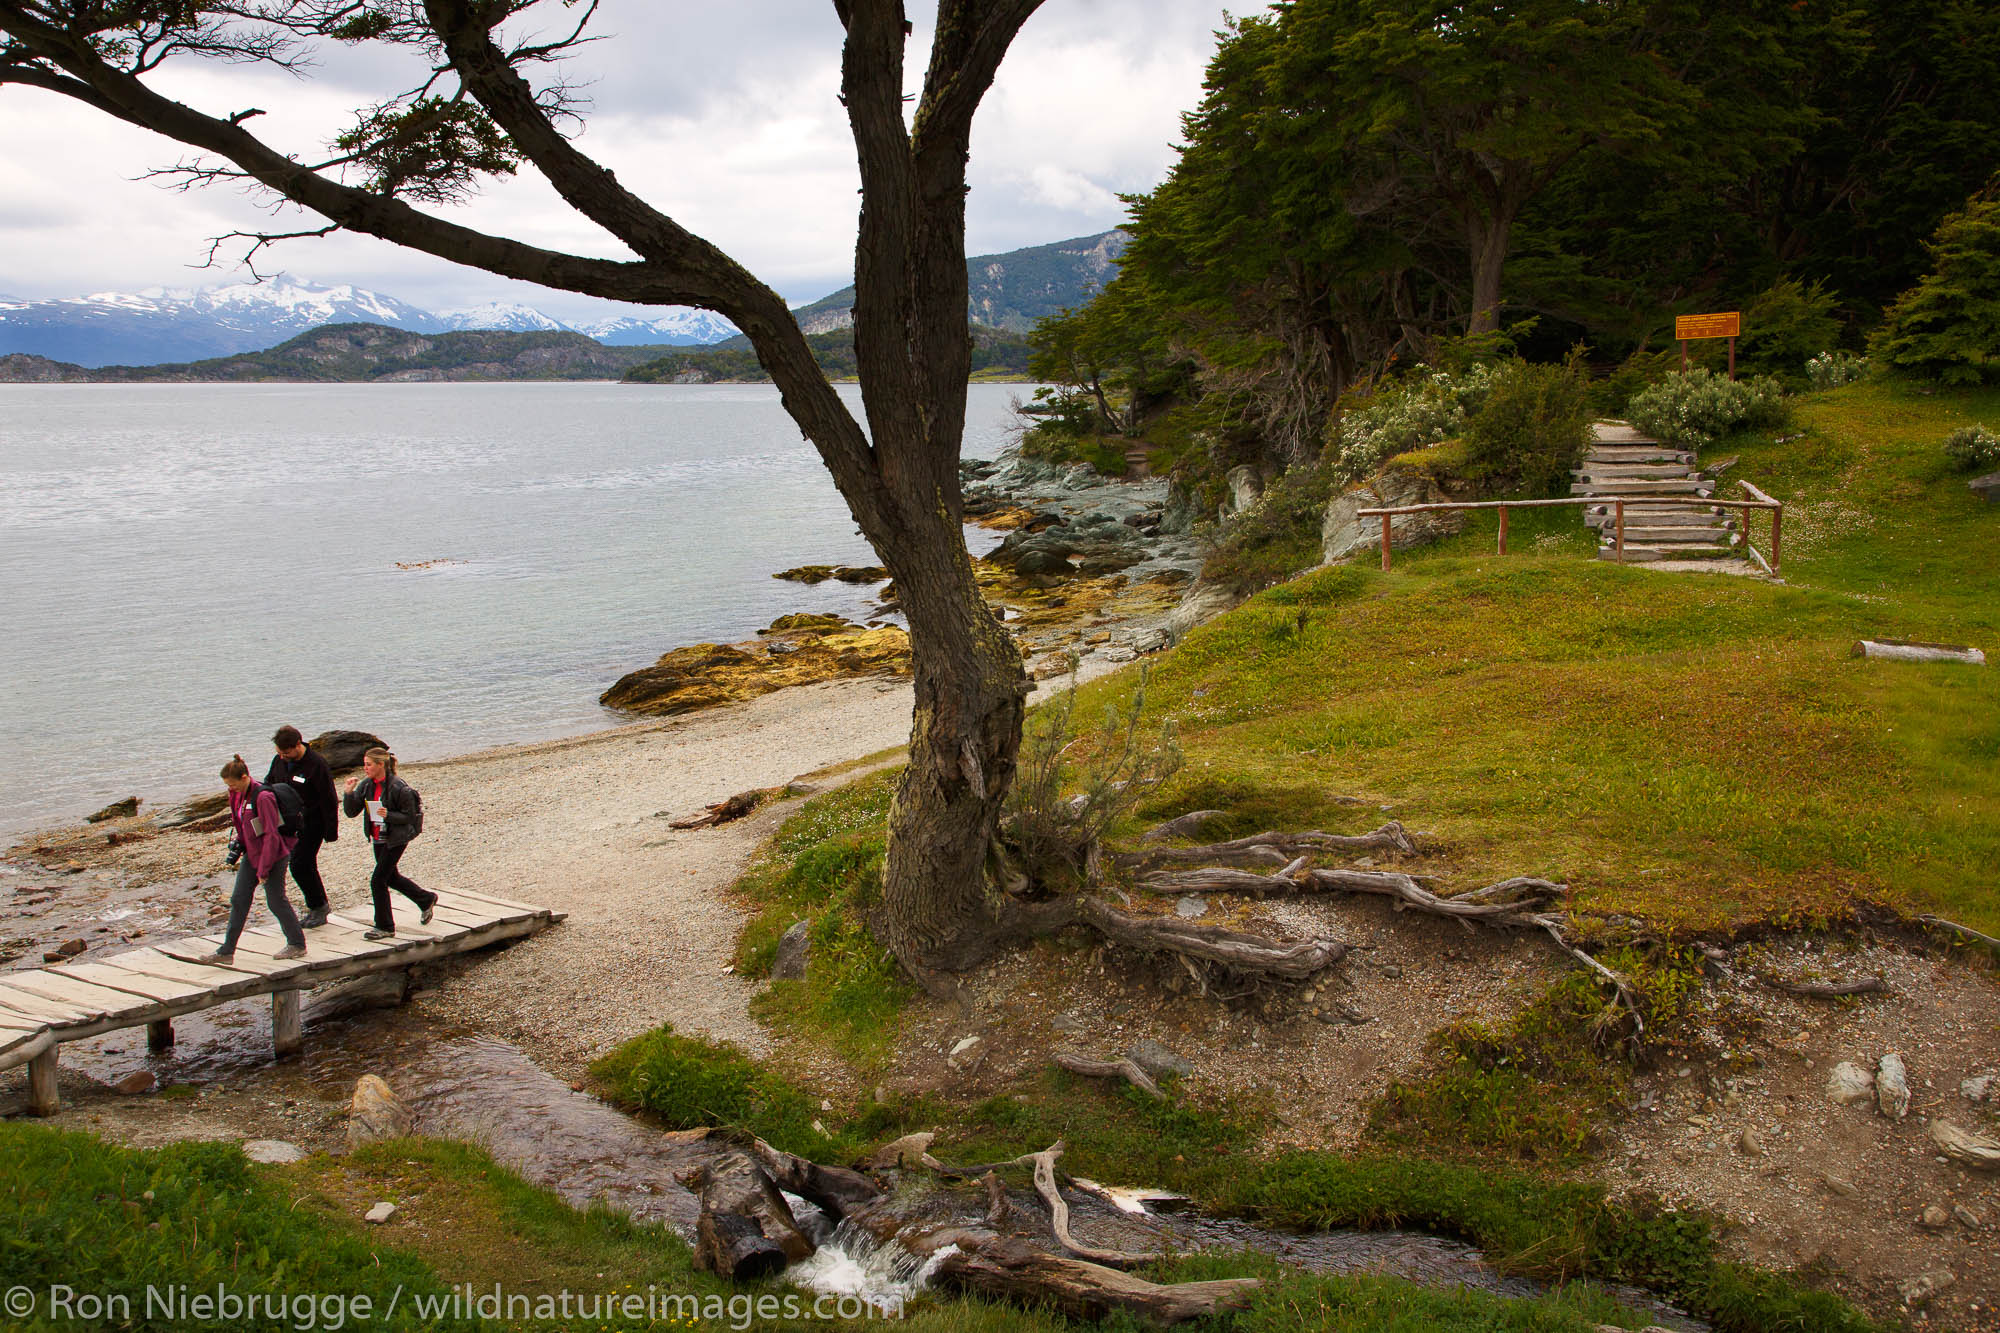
column 300, row 765
column 388, row 809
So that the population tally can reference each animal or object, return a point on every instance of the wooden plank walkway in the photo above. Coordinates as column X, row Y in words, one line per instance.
column 42, row 1007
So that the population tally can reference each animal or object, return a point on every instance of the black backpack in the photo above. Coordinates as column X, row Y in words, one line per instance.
column 416, row 810
column 291, row 809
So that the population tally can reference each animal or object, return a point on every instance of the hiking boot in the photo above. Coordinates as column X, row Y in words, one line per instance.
column 425, row 919
column 312, row 920
column 378, row 934
column 289, row 952
column 221, row 957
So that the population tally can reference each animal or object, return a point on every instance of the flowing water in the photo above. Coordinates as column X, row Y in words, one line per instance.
column 449, row 566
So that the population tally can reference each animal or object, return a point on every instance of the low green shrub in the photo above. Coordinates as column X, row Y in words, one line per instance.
column 1533, row 427
column 1972, row 449
column 1422, row 408
column 1698, row 408
column 1830, row 370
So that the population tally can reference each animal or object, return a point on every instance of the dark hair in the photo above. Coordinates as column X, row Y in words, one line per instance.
column 236, row 768
column 286, row 737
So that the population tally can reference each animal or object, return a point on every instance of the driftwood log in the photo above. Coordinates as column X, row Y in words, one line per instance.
column 1124, row 1067
column 722, row 812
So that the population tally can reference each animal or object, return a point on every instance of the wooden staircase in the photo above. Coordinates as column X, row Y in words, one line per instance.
column 1662, row 490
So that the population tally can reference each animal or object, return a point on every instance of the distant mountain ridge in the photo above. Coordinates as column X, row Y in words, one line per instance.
column 367, row 353
column 1012, row 291
column 176, row 325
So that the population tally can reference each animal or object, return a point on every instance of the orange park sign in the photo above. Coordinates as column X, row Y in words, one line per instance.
column 1729, row 324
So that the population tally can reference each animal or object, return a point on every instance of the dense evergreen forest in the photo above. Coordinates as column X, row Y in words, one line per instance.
column 1369, row 186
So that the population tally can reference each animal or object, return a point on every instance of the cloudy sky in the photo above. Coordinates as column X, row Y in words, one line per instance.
column 724, row 116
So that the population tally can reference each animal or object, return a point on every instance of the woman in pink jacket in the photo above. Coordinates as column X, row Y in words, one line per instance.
column 266, row 853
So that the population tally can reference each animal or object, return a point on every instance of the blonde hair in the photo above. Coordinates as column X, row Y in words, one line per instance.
column 381, row 755
column 236, row 768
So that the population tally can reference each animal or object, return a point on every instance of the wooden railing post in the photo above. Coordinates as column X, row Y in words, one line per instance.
column 1503, row 529
column 1385, row 543
column 1777, row 522
column 1618, row 512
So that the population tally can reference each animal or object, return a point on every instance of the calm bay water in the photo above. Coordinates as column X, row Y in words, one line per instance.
column 188, row 566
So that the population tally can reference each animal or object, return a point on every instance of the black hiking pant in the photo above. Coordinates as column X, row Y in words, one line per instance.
column 305, row 870
column 387, row 877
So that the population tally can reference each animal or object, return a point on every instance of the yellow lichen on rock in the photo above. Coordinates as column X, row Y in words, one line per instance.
column 795, row 650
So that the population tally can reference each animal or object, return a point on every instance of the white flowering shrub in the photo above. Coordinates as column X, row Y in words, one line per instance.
column 1830, row 370
column 1696, row 409
column 1421, row 410
column 1972, row 448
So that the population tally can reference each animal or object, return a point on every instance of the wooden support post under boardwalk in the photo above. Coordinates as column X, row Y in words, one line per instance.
column 286, row 1037
column 42, row 1096
column 1385, row 543
column 160, row 1035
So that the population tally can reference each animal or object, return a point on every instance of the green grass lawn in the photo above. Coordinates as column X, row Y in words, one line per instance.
column 1698, row 750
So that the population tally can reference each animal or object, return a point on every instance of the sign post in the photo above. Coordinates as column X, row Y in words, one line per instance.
column 1728, row 324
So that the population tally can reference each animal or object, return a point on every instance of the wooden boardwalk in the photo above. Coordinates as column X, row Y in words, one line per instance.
column 42, row 1007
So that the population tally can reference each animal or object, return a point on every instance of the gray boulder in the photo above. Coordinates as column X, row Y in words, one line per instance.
column 1987, row 487
column 1892, row 1087
column 343, row 749
column 794, row 952
column 1849, row 1084
column 1344, row 535
column 1160, row 1061
column 376, row 1113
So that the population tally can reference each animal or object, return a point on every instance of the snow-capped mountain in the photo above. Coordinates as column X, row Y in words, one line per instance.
column 506, row 316
column 682, row 327
column 163, row 325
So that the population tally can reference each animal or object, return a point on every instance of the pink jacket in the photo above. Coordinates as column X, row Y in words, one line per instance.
column 268, row 849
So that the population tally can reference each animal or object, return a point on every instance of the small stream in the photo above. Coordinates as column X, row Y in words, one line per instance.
column 477, row 1088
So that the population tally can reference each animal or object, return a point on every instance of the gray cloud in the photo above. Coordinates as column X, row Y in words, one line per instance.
column 725, row 116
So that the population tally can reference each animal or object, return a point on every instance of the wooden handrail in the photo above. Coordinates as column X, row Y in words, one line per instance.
column 1617, row 503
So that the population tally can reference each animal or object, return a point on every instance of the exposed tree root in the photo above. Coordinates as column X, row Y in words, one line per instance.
column 1123, row 1067
column 1507, row 905
column 1967, row 931
column 1230, row 952
column 1267, row 848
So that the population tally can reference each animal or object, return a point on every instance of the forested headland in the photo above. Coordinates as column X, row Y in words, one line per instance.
column 1373, row 199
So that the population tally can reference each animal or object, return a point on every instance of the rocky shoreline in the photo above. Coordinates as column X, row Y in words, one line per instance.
column 1089, row 567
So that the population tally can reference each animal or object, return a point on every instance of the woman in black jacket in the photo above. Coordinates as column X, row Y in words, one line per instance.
column 390, row 816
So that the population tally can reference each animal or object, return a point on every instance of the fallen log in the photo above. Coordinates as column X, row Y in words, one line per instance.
column 1044, row 1163
column 1262, row 848
column 1124, row 1068
column 1015, row 1269
column 745, row 1228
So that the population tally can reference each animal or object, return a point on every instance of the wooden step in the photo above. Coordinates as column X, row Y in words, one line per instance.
column 1658, row 518
column 1633, row 471
column 1643, row 488
column 1645, row 554
column 1673, row 536
column 1640, row 453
